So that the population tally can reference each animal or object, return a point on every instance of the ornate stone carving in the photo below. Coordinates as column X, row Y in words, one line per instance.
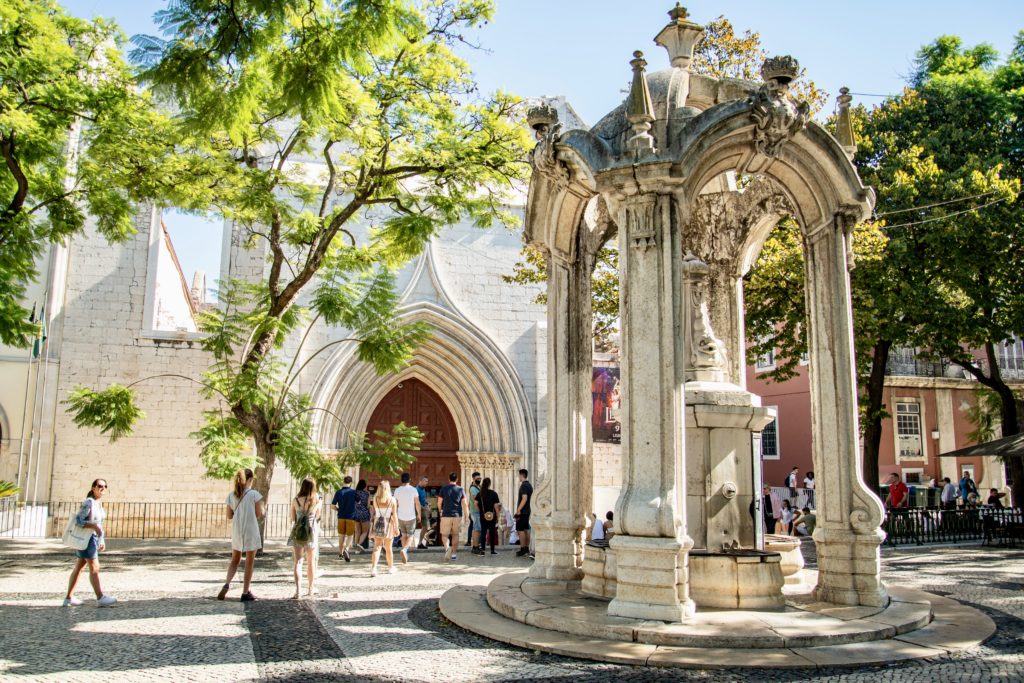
column 777, row 117
column 707, row 352
column 847, row 218
column 544, row 158
column 639, row 110
column 639, row 221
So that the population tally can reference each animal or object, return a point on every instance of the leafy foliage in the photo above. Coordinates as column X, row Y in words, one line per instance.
column 65, row 88
column 8, row 489
column 113, row 410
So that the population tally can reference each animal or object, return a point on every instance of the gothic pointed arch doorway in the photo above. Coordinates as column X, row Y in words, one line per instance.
column 413, row 402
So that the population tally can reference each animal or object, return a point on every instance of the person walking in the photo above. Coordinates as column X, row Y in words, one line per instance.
column 967, row 487
column 90, row 515
column 791, row 482
column 489, row 505
column 361, row 515
column 408, row 512
column 787, row 518
column 454, row 508
column 344, row 502
column 421, row 491
column 305, row 536
column 383, row 526
column 245, row 508
column 809, row 486
column 522, row 513
column 899, row 494
column 474, row 516
column 949, row 493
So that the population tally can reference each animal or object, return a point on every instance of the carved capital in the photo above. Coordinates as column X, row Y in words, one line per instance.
column 638, row 217
column 777, row 118
column 846, row 219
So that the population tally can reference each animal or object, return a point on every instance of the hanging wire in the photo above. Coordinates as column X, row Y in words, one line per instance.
column 949, row 215
column 868, row 94
column 928, row 206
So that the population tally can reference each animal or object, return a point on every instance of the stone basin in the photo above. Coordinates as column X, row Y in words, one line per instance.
column 788, row 547
column 736, row 579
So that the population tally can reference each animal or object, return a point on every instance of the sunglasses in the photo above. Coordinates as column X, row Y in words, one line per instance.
column 101, row 486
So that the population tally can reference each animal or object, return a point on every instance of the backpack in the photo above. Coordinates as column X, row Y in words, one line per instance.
column 302, row 530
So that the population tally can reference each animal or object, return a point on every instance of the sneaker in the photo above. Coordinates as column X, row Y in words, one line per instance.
column 405, row 557
column 454, row 557
column 72, row 602
column 373, row 572
column 223, row 592
column 106, row 601
column 448, row 554
column 346, row 556
column 494, row 552
column 521, row 552
column 248, row 597
column 392, row 570
column 531, row 556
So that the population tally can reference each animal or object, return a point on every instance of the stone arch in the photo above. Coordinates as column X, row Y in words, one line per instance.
column 460, row 363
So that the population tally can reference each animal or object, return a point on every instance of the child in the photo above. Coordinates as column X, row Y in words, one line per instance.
column 787, row 518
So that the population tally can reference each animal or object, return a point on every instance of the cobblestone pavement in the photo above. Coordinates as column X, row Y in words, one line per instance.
column 169, row 627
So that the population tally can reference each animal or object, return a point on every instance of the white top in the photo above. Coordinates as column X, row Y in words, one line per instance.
column 597, row 533
column 787, row 515
column 245, row 528
column 407, row 497
column 792, row 480
column 808, row 483
column 949, row 493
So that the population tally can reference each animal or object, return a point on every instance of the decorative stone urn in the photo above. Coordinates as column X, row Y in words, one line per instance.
column 788, row 547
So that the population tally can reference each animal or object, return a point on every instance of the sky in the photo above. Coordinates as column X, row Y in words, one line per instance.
column 581, row 48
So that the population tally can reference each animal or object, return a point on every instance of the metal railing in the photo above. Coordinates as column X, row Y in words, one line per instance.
column 145, row 520
column 929, row 525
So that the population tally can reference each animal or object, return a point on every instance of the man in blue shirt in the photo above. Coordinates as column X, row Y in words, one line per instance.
column 454, row 508
column 421, row 490
column 345, row 503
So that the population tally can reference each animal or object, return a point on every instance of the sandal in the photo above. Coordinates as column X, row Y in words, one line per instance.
column 223, row 591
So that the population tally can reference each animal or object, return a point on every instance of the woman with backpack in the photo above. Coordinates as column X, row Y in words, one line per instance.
column 489, row 505
column 305, row 536
column 361, row 516
column 383, row 526
column 245, row 507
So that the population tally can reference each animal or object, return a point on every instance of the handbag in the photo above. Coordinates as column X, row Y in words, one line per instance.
column 489, row 515
column 76, row 536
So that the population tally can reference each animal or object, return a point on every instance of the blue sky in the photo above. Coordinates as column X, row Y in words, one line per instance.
column 581, row 49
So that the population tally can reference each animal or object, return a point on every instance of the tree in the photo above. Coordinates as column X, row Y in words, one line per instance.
column 64, row 86
column 372, row 96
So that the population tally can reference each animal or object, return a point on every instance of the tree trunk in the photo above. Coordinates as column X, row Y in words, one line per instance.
column 875, row 412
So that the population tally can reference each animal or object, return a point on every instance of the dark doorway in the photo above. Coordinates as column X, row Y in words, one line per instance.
column 416, row 404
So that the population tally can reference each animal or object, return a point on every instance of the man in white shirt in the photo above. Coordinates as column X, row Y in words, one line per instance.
column 408, row 512
column 809, row 486
column 948, row 496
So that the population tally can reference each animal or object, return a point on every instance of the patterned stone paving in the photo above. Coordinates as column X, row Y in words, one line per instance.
column 168, row 626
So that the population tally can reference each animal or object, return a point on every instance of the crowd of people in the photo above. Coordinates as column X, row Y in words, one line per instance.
column 374, row 521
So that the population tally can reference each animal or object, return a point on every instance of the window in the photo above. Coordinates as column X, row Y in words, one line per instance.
column 770, row 441
column 185, row 264
column 765, row 362
column 908, row 430
column 914, row 476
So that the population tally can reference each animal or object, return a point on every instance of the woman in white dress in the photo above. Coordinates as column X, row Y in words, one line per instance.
column 383, row 526
column 245, row 507
column 306, row 505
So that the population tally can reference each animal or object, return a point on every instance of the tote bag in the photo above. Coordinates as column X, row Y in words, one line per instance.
column 76, row 536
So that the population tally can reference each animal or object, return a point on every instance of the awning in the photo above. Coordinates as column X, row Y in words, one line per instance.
column 1007, row 447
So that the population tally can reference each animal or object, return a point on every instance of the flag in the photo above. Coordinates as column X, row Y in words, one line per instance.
column 37, row 345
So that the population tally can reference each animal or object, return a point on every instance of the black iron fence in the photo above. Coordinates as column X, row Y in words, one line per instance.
column 145, row 520
column 928, row 525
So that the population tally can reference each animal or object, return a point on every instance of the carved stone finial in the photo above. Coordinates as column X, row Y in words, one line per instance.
column 782, row 69
column 541, row 118
column 777, row 117
column 639, row 108
column 844, row 124
column 679, row 37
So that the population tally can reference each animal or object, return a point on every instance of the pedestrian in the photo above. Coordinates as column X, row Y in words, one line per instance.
column 522, row 513
column 344, row 502
column 967, row 487
column 489, row 505
column 994, row 496
column 474, row 516
column 90, row 516
column 809, row 486
column 804, row 523
column 361, row 515
column 245, row 508
column 791, row 481
column 609, row 525
column 304, row 538
column 454, row 507
column 425, row 534
column 949, row 494
column 899, row 495
column 508, row 524
column 787, row 518
column 384, row 526
column 408, row 512
column 771, row 509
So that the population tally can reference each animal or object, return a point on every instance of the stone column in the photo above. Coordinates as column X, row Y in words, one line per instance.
column 500, row 467
column 651, row 545
column 565, row 490
column 849, row 515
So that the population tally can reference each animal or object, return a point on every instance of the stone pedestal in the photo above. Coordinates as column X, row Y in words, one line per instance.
column 557, row 543
column 650, row 579
column 848, row 568
column 749, row 579
column 599, row 573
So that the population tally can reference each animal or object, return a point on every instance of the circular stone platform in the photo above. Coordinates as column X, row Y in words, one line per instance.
column 554, row 616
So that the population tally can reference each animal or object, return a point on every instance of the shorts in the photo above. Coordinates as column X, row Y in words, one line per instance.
column 346, row 527
column 475, row 518
column 91, row 551
column 523, row 522
column 451, row 526
column 407, row 527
